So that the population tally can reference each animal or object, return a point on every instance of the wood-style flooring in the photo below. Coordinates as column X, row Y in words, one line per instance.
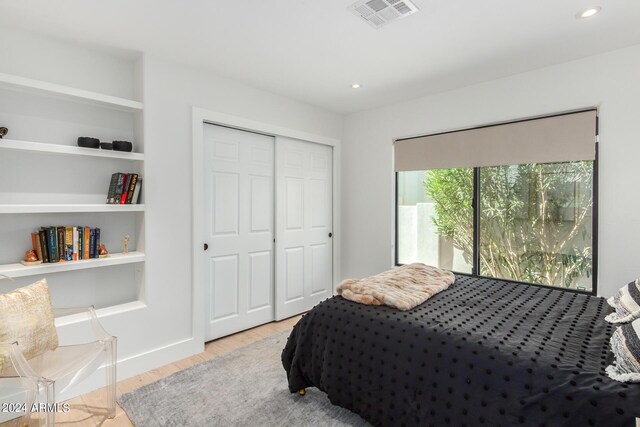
column 85, row 409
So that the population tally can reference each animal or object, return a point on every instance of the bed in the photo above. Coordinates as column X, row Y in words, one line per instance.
column 484, row 352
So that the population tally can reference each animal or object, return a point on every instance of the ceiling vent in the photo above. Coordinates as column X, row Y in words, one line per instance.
column 378, row 13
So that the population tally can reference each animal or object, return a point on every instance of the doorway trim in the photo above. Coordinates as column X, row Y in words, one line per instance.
column 200, row 117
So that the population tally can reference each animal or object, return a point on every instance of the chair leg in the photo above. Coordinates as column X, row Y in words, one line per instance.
column 110, row 370
column 50, row 400
column 302, row 392
column 31, row 398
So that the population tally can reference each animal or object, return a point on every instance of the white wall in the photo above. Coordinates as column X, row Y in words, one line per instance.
column 159, row 329
column 44, row 58
column 610, row 81
column 170, row 92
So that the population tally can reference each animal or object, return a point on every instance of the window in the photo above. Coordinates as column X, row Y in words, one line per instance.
column 536, row 223
column 527, row 222
column 435, row 218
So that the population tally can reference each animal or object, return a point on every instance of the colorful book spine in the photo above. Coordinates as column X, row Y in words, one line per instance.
column 61, row 245
column 52, row 244
column 68, row 243
column 76, row 247
column 97, row 242
column 87, row 241
column 136, row 192
column 132, row 186
column 125, row 188
column 44, row 247
column 117, row 194
column 35, row 242
column 112, row 188
column 92, row 244
column 81, row 242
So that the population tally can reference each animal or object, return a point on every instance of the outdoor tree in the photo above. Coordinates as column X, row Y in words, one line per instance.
column 535, row 219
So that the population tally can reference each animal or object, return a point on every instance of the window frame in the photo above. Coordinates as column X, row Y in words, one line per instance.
column 476, row 228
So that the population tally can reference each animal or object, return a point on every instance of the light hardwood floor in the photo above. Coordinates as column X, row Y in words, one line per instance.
column 85, row 409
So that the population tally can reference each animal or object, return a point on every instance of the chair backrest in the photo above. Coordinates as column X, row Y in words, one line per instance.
column 26, row 317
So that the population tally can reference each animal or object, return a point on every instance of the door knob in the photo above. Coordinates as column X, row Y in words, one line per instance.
column 206, row 246
column 330, row 235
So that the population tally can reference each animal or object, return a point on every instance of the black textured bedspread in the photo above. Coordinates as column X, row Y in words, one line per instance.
column 484, row 352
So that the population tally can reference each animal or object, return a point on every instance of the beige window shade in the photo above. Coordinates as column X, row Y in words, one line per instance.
column 563, row 138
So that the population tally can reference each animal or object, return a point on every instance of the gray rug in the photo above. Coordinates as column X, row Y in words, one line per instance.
column 246, row 387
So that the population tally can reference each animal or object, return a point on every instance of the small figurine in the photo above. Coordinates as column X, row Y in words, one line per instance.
column 30, row 258
column 125, row 242
column 3, row 131
column 102, row 251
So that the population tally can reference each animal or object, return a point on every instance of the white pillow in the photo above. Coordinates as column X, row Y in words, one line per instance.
column 625, row 344
column 626, row 302
column 26, row 316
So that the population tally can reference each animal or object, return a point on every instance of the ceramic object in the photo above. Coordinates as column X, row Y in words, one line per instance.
column 122, row 146
column 88, row 142
column 30, row 256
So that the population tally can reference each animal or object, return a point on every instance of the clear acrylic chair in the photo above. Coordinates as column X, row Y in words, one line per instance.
column 39, row 382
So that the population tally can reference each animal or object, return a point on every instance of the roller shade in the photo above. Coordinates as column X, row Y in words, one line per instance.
column 562, row 138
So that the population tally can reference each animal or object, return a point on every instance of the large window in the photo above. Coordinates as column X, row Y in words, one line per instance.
column 529, row 222
column 435, row 218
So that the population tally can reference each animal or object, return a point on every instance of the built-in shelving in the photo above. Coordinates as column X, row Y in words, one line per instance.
column 67, row 208
column 16, row 145
column 19, row 270
column 45, row 179
column 53, row 89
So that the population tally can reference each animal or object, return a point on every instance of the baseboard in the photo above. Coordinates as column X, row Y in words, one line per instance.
column 138, row 364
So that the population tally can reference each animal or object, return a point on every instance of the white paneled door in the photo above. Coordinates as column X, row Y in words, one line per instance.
column 304, row 250
column 239, row 203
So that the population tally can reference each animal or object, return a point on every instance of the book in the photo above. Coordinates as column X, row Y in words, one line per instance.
column 80, row 242
column 76, row 247
column 112, row 188
column 125, row 188
column 117, row 194
column 52, row 244
column 61, row 240
column 136, row 192
column 44, row 248
column 132, row 186
column 86, row 242
column 97, row 242
column 68, row 243
column 35, row 241
column 92, row 243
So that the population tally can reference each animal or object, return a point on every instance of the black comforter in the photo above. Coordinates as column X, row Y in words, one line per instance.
column 483, row 352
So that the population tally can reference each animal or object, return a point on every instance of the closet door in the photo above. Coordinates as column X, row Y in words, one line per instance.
column 239, row 210
column 304, row 250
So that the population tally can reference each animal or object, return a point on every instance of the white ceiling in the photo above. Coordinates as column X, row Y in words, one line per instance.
column 313, row 50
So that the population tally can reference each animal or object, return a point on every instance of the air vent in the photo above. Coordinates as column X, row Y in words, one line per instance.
column 380, row 12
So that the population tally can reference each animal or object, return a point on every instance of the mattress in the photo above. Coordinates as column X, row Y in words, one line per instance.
column 484, row 352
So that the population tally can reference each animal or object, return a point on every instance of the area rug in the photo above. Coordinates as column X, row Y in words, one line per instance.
column 246, row 387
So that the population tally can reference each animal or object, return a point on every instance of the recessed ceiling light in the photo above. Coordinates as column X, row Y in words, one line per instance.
column 588, row 13
column 355, row 86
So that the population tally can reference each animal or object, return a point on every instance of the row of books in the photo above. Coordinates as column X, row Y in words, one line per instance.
column 124, row 189
column 60, row 244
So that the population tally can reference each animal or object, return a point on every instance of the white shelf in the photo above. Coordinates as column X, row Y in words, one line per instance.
column 101, row 312
column 19, row 270
column 68, row 208
column 16, row 145
column 67, row 92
